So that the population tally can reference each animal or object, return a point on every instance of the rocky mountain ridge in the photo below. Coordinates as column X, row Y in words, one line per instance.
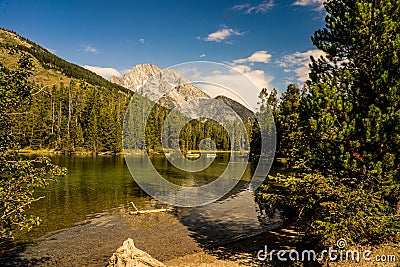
column 160, row 85
column 245, row 113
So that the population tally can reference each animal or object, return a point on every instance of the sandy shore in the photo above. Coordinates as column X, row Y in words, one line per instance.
column 163, row 236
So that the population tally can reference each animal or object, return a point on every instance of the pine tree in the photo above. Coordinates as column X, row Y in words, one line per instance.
column 347, row 182
column 287, row 122
column 263, row 127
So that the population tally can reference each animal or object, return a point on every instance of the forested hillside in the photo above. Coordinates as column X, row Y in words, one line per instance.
column 72, row 109
column 49, row 61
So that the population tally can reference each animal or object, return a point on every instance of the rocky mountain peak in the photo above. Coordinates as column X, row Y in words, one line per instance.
column 160, row 84
column 136, row 77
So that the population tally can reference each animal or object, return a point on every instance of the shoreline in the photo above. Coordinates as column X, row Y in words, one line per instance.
column 26, row 151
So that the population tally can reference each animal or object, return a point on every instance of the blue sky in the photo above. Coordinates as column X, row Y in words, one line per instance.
column 268, row 40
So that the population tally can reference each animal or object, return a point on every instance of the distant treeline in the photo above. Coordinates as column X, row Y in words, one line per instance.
column 81, row 117
column 156, row 128
column 73, row 117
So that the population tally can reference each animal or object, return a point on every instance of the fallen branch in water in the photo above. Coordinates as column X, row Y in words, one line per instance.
column 146, row 211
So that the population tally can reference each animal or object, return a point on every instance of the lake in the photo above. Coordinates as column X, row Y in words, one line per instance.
column 96, row 190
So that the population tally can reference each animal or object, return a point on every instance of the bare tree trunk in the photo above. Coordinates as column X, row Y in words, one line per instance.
column 59, row 125
column 69, row 113
column 33, row 128
column 52, row 114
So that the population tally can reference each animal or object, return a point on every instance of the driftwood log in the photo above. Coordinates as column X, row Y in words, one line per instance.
column 129, row 256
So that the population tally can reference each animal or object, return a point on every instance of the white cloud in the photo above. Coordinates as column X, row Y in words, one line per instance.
column 104, row 72
column 240, row 81
column 202, row 55
column 298, row 63
column 243, row 69
column 258, row 77
column 260, row 56
column 263, row 7
column 141, row 40
column 318, row 3
column 222, row 35
column 89, row 48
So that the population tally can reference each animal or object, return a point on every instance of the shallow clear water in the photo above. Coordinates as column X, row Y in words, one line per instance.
column 99, row 185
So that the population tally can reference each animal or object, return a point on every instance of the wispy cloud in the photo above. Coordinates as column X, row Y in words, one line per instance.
column 319, row 4
column 260, row 56
column 263, row 7
column 222, row 34
column 257, row 76
column 104, row 72
column 90, row 49
column 298, row 63
column 202, row 55
column 141, row 40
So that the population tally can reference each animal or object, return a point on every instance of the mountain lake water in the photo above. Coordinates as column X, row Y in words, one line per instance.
column 87, row 210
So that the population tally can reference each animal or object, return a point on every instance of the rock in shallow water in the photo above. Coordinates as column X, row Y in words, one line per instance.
column 128, row 256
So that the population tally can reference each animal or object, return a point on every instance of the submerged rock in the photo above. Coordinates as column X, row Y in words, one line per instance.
column 128, row 256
